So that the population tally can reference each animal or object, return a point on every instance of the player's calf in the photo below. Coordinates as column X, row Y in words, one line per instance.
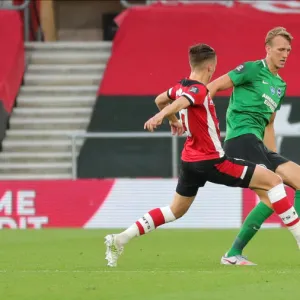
column 181, row 205
column 266, row 179
column 156, row 217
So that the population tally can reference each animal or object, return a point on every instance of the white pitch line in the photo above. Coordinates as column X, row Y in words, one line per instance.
column 157, row 271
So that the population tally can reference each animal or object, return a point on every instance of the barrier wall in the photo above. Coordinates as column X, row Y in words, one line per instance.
column 100, row 158
column 117, row 203
column 34, row 9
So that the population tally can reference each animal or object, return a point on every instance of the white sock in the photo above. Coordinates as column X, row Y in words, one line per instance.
column 128, row 234
column 150, row 221
column 295, row 230
column 285, row 210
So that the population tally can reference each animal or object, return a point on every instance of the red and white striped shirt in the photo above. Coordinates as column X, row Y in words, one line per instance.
column 199, row 121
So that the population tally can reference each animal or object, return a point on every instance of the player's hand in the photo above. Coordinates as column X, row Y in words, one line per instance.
column 152, row 123
column 176, row 128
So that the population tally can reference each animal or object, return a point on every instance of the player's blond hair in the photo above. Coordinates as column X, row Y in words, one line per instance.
column 278, row 31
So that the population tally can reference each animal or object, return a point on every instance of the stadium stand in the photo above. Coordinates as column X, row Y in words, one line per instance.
column 47, row 91
column 61, row 80
column 56, row 99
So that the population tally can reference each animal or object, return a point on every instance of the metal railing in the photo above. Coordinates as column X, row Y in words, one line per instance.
column 129, row 3
column 124, row 135
column 8, row 5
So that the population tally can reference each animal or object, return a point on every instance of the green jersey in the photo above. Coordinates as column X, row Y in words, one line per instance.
column 257, row 94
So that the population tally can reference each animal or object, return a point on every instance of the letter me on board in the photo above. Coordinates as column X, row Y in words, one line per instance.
column 20, row 213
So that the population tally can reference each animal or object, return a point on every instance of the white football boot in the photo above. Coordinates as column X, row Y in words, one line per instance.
column 113, row 250
column 238, row 260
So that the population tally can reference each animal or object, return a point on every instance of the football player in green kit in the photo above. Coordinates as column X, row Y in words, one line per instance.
column 257, row 95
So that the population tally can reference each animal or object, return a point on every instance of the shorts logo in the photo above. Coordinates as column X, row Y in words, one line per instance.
column 194, row 90
column 239, row 68
column 179, row 93
column 278, row 92
column 262, row 165
column 239, row 159
column 272, row 89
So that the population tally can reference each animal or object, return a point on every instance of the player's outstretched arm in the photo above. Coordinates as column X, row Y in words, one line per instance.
column 269, row 137
column 222, row 83
column 161, row 102
column 169, row 110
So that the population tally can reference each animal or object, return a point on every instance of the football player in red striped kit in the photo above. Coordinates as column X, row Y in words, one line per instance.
column 202, row 158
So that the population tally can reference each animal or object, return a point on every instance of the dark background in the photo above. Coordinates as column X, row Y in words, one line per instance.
column 146, row 157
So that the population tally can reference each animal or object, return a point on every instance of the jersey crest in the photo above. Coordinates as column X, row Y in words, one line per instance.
column 240, row 68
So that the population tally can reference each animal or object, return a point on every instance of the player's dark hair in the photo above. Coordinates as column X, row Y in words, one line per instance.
column 200, row 53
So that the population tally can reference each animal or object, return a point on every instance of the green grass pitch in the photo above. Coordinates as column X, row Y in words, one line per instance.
column 164, row 265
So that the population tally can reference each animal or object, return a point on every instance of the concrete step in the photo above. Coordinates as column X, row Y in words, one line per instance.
column 37, row 176
column 31, row 171
column 33, row 157
column 67, row 57
column 37, row 134
column 61, row 84
column 62, row 79
column 45, row 112
column 89, row 90
column 62, row 46
column 58, row 101
column 51, row 124
column 19, row 166
column 33, row 168
column 41, row 145
column 59, row 69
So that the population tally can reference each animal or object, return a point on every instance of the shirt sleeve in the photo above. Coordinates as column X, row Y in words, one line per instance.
column 196, row 94
column 243, row 73
column 171, row 92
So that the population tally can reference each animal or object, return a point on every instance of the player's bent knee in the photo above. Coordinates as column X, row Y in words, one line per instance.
column 277, row 180
column 265, row 179
column 274, row 181
column 178, row 213
column 179, row 210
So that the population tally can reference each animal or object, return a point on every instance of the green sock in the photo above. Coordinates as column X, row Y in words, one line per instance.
column 297, row 202
column 251, row 225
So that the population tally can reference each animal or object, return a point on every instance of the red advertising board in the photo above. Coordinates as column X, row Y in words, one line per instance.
column 42, row 204
column 117, row 203
column 110, row 203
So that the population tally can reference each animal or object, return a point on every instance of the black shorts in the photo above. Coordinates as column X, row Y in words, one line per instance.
column 250, row 148
column 225, row 171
